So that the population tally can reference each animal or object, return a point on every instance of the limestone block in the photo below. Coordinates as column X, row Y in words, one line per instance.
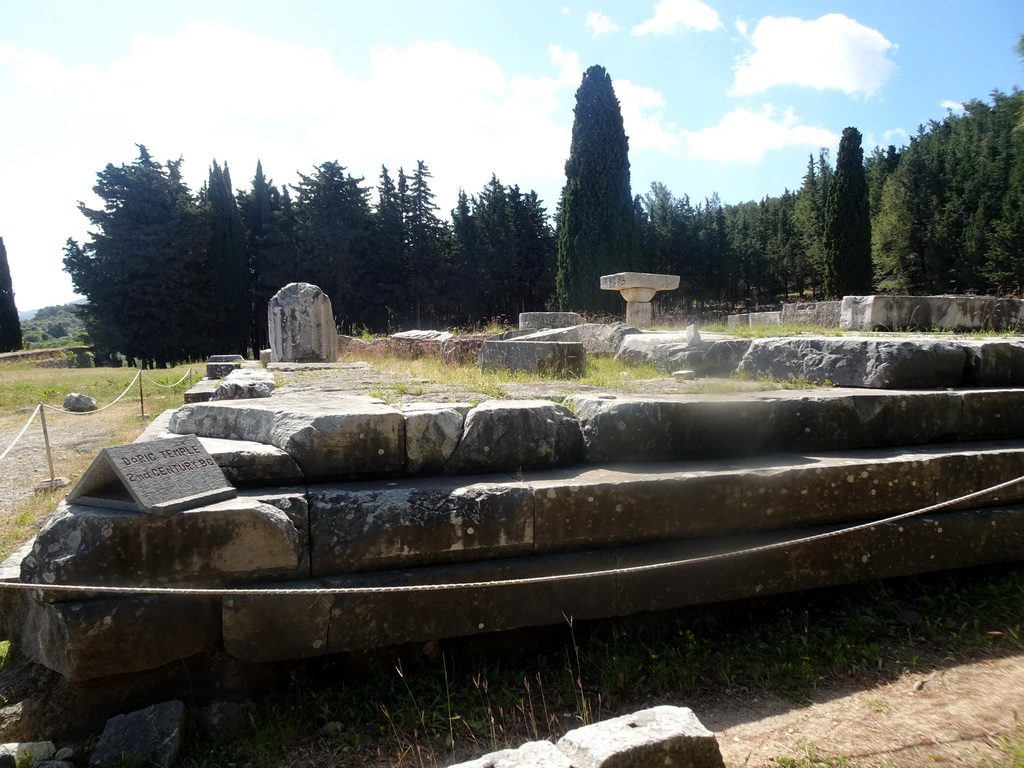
column 820, row 313
column 233, row 541
column 535, row 321
column 373, row 620
column 721, row 358
column 369, row 526
column 79, row 403
column 765, row 318
column 27, row 752
column 221, row 369
column 654, row 348
column 637, row 428
column 558, row 358
column 992, row 414
column 738, row 321
column 848, row 362
column 532, row 754
column 875, row 313
column 247, row 463
column 151, row 736
column 977, row 466
column 349, row 347
column 651, row 738
column 516, row 435
column 266, row 356
column 463, row 350
column 432, row 432
column 994, row 363
column 596, row 338
column 292, row 501
column 86, row 639
column 242, row 384
column 594, row 508
column 329, row 436
column 640, row 280
column 835, row 419
column 917, row 545
column 275, row 628
column 302, row 326
column 422, row 335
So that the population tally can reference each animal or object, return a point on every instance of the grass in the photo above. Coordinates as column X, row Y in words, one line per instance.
column 23, row 387
column 438, row 704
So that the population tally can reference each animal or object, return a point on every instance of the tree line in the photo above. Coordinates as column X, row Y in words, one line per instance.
column 174, row 275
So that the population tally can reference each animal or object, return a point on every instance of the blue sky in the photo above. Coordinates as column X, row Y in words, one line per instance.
column 720, row 96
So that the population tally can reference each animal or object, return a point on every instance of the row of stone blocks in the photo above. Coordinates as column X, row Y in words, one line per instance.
column 613, row 522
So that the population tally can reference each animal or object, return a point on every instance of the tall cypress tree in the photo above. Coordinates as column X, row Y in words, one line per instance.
column 847, row 266
column 597, row 232
column 10, row 325
column 229, row 262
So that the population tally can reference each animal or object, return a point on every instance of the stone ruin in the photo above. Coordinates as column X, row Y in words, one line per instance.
column 302, row 328
column 340, row 498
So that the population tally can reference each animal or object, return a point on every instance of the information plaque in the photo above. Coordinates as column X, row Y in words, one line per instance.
column 158, row 477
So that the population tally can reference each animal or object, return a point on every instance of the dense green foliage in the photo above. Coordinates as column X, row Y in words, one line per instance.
column 10, row 325
column 597, row 221
column 171, row 275
column 58, row 325
column 847, row 233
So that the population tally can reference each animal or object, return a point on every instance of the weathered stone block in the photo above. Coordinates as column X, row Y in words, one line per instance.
column 220, row 370
column 991, row 414
column 651, row 738
column 634, row 428
column 596, row 338
column 432, row 433
column 275, row 628
column 302, row 326
column 516, row 435
column 894, row 313
column 994, row 363
column 242, row 384
column 150, row 736
column 329, row 437
column 597, row 508
column 535, row 321
column 654, row 348
column 877, row 363
column 558, row 358
column 247, row 463
column 86, row 639
column 235, row 541
column 820, row 313
column 364, row 527
column 463, row 350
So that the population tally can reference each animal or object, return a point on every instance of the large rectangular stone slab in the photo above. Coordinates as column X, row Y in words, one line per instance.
column 898, row 313
column 329, row 436
column 269, row 628
column 88, row 639
column 238, row 541
column 558, row 358
column 370, row 526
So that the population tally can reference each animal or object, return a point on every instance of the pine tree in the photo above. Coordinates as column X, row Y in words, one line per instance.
column 10, row 325
column 146, row 269
column 847, row 237
column 597, row 223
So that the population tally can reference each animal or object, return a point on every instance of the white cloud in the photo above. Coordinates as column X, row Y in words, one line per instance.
column 955, row 106
column 831, row 52
column 180, row 94
column 895, row 133
column 641, row 117
column 746, row 136
column 673, row 16
column 599, row 24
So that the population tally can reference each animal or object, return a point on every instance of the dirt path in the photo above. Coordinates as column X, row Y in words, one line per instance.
column 951, row 716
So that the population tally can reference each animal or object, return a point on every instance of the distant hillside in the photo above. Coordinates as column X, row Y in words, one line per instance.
column 59, row 323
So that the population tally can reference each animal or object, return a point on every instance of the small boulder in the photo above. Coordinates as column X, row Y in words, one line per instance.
column 79, row 403
column 152, row 734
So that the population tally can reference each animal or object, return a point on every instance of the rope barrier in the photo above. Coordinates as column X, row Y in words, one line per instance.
column 97, row 410
column 315, row 591
column 168, row 386
column 23, row 430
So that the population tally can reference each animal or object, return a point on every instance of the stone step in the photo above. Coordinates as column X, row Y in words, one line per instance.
column 337, row 437
column 271, row 628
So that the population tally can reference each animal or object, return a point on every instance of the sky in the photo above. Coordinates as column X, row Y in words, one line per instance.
column 723, row 96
